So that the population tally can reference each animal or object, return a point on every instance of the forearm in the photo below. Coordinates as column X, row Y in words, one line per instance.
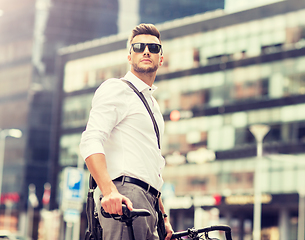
column 161, row 206
column 168, row 226
column 162, row 209
column 97, row 166
column 112, row 200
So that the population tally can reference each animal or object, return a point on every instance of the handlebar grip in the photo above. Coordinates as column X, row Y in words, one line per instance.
column 105, row 214
column 126, row 213
column 108, row 215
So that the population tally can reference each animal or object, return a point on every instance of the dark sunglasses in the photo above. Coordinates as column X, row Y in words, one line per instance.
column 140, row 47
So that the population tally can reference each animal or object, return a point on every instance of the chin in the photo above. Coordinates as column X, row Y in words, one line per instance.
column 146, row 70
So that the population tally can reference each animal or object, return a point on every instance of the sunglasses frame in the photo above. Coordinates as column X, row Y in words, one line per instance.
column 146, row 44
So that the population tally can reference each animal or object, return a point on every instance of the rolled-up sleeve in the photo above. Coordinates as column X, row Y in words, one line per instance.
column 109, row 107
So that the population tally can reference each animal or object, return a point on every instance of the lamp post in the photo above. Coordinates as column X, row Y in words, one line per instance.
column 259, row 132
column 16, row 133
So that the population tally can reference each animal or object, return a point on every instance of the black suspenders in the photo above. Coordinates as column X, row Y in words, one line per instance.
column 141, row 96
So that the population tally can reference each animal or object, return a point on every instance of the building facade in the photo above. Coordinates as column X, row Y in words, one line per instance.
column 31, row 32
column 161, row 11
column 222, row 73
column 134, row 12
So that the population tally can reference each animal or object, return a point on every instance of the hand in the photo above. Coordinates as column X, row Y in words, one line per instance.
column 168, row 228
column 112, row 203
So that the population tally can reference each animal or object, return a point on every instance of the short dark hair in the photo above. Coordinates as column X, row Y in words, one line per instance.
column 145, row 28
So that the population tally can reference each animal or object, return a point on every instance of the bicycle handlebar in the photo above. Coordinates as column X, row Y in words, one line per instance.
column 224, row 228
column 127, row 214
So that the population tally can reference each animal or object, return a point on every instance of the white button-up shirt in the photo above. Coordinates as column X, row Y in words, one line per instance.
column 120, row 127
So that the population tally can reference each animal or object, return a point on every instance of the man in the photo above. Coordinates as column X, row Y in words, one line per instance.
column 120, row 146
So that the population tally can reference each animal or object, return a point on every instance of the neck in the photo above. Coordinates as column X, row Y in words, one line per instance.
column 148, row 78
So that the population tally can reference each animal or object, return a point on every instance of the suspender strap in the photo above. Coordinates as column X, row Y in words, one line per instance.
column 141, row 96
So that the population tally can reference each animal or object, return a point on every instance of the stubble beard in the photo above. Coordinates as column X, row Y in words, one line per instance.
column 144, row 70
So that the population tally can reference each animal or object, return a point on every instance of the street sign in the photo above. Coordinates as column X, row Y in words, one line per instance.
column 71, row 215
column 74, row 184
column 73, row 189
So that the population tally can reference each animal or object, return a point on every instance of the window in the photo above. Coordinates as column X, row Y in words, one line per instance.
column 301, row 133
column 268, row 49
column 274, row 134
column 69, row 149
column 243, row 136
column 196, row 57
column 91, row 71
column 193, row 99
column 76, row 111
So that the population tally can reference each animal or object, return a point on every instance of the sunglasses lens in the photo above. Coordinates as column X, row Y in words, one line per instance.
column 154, row 48
column 138, row 47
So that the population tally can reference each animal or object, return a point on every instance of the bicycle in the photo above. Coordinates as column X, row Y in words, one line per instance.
column 94, row 231
column 192, row 233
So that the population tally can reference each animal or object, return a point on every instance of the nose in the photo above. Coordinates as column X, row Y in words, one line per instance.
column 146, row 51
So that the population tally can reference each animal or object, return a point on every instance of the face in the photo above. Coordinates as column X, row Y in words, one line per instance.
column 145, row 62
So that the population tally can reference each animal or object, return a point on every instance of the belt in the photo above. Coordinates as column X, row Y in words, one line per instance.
column 139, row 183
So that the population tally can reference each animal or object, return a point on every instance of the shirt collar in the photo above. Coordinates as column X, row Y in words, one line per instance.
column 138, row 83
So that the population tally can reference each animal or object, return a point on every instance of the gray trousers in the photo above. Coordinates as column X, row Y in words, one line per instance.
column 145, row 228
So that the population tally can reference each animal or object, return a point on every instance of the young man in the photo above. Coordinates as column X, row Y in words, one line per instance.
column 120, row 146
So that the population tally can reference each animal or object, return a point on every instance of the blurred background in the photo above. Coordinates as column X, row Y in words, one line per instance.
column 231, row 90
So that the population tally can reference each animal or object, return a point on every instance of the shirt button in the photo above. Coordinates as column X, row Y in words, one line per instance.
column 150, row 89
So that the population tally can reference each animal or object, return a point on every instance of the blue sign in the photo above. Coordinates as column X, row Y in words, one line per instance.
column 74, row 184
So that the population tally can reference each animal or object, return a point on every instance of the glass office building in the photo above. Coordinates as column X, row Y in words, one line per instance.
column 222, row 73
column 31, row 31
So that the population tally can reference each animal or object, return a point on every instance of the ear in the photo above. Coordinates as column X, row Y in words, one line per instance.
column 161, row 61
column 129, row 58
